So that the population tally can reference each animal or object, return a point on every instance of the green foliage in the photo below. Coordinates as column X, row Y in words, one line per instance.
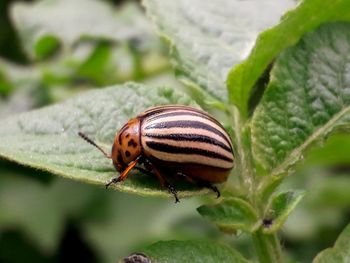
column 78, row 57
column 307, row 16
column 207, row 42
column 46, row 46
column 279, row 209
column 340, row 252
column 192, row 251
column 41, row 34
column 307, row 99
column 48, row 138
column 301, row 100
column 232, row 214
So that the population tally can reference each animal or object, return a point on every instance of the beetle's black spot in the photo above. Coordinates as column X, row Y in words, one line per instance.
column 132, row 143
column 119, row 158
column 127, row 154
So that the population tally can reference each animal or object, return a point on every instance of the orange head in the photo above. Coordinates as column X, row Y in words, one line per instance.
column 126, row 146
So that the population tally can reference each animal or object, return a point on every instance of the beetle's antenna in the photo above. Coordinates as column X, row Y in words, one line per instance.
column 82, row 135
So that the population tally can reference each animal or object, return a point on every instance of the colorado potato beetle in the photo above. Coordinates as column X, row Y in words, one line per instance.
column 173, row 140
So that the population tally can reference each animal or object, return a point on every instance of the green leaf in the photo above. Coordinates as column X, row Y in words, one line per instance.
column 5, row 85
column 96, row 67
column 192, row 251
column 208, row 37
column 25, row 90
column 267, row 187
column 159, row 221
column 43, row 25
column 46, row 46
column 339, row 253
column 307, row 98
column 47, row 138
column 232, row 214
column 279, row 209
column 336, row 151
column 307, row 16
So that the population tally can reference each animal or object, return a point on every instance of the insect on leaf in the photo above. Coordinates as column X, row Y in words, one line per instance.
column 48, row 138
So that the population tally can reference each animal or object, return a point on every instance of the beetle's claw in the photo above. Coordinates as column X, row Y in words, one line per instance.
column 216, row 190
column 177, row 200
column 113, row 181
column 173, row 191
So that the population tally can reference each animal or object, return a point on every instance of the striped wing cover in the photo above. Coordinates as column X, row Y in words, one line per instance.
column 181, row 134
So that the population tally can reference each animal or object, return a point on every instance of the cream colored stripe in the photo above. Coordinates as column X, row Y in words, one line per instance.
column 177, row 130
column 187, row 118
column 188, row 158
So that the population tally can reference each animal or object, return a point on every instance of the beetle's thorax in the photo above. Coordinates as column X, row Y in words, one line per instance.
column 126, row 147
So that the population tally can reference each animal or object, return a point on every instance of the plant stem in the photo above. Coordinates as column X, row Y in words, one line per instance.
column 268, row 247
column 245, row 165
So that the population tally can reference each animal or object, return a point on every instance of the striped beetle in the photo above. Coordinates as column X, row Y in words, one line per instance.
column 172, row 140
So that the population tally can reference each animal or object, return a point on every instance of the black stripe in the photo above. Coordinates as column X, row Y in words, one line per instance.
column 151, row 112
column 160, row 109
column 187, row 124
column 165, row 108
column 190, row 137
column 176, row 164
column 182, row 113
column 186, row 150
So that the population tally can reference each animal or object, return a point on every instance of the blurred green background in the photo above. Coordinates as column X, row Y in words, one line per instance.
column 43, row 218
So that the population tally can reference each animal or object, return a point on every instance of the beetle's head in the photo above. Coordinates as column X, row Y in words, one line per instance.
column 126, row 146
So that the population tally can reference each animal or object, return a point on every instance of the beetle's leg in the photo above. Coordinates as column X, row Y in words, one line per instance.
column 211, row 187
column 124, row 174
column 163, row 182
column 187, row 178
column 201, row 183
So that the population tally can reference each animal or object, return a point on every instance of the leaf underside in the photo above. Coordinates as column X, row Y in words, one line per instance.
column 48, row 138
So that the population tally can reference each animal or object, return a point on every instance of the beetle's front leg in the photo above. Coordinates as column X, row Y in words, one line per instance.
column 124, row 174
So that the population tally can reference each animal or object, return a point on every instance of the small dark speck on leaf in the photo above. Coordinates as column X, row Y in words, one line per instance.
column 267, row 222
